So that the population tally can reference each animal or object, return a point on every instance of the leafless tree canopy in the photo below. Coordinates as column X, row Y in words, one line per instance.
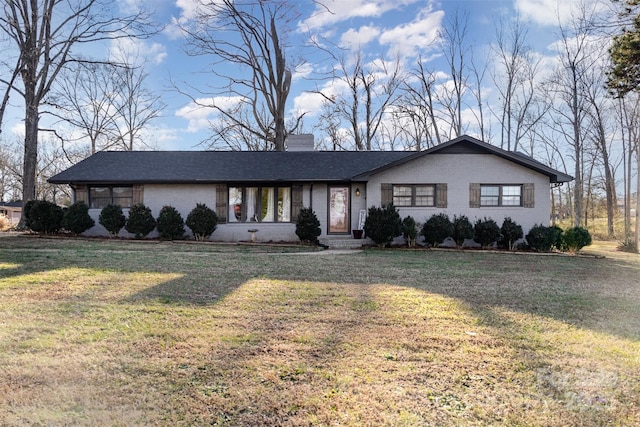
column 247, row 44
column 44, row 35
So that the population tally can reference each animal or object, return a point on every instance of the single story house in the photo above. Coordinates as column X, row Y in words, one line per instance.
column 11, row 210
column 264, row 191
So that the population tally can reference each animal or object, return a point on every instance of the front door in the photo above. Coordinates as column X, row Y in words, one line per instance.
column 339, row 210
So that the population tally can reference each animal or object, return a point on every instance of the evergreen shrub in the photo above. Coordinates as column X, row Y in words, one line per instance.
column 141, row 221
column 383, row 224
column 307, row 226
column 410, row 231
column 112, row 219
column 202, row 221
column 437, row 228
column 576, row 238
column 45, row 217
column 76, row 219
column 510, row 231
column 542, row 238
column 486, row 231
column 461, row 229
column 170, row 223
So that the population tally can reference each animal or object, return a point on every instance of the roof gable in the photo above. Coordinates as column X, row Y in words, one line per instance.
column 469, row 145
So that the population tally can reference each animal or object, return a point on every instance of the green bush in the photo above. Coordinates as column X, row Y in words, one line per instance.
column 542, row 238
column 576, row 238
column 383, row 224
column 45, row 217
column 112, row 218
column 558, row 242
column 510, row 231
column 170, row 223
column 486, row 231
column 410, row 231
column 77, row 219
column 436, row 229
column 202, row 221
column 141, row 221
column 307, row 226
column 461, row 229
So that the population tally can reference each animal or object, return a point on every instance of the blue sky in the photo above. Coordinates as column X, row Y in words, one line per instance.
column 379, row 28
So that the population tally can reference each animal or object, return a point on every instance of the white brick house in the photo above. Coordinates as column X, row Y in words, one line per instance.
column 265, row 190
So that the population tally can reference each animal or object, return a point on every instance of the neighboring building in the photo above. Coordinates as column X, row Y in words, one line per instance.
column 12, row 210
column 265, row 190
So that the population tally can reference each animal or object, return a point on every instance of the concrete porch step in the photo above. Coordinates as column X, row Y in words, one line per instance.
column 346, row 242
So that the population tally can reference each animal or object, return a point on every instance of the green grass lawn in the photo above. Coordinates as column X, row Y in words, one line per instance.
column 129, row 333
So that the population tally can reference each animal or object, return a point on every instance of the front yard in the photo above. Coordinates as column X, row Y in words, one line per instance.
column 128, row 333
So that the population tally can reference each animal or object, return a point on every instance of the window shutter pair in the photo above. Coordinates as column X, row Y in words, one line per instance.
column 528, row 195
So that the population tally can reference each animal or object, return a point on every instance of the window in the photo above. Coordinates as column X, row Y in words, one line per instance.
column 414, row 195
column 259, row 204
column 99, row 197
column 500, row 195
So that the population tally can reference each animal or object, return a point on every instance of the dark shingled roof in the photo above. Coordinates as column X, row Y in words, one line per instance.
column 223, row 166
column 133, row 167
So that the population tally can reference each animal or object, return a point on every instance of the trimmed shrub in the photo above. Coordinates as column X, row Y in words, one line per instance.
column 383, row 224
column 486, row 231
column 410, row 231
column 141, row 221
column 437, row 228
column 542, row 238
column 576, row 238
column 558, row 243
column 112, row 218
column 461, row 229
column 76, row 219
column 45, row 217
column 170, row 223
column 308, row 226
column 202, row 221
column 511, row 231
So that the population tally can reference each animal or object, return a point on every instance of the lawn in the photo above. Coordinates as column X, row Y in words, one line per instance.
column 129, row 333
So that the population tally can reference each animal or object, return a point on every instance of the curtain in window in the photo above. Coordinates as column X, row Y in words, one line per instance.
column 252, row 204
column 284, row 204
column 268, row 202
column 235, row 204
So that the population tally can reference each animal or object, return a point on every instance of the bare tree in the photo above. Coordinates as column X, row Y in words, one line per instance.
column 370, row 90
column 85, row 98
column 456, row 53
column 418, row 104
column 44, row 33
column 252, row 36
column 575, row 56
column 515, row 72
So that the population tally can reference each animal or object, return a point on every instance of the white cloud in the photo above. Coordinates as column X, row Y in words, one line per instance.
column 138, row 52
column 356, row 39
column 552, row 12
column 334, row 11
column 200, row 112
column 419, row 35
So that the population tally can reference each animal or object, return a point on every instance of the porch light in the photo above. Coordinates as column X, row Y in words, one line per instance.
column 357, row 192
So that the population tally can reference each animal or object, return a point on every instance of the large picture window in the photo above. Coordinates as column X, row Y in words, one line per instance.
column 99, row 197
column 259, row 204
column 414, row 195
column 501, row 195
